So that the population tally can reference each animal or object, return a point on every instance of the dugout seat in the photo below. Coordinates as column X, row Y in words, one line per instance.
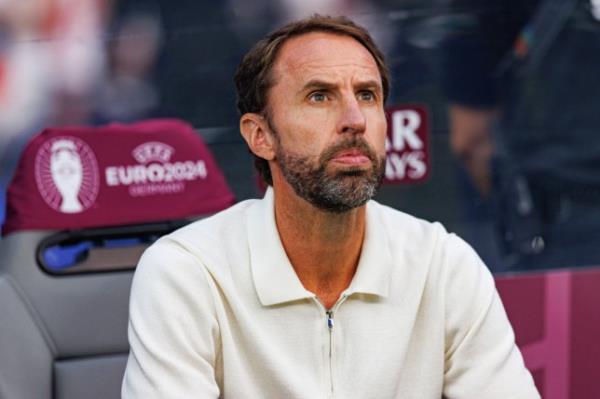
column 83, row 205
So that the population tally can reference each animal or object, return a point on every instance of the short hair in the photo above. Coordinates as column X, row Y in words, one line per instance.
column 253, row 78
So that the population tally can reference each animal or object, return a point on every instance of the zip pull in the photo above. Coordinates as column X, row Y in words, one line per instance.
column 330, row 320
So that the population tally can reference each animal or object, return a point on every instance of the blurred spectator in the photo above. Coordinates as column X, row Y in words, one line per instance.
column 59, row 65
column 249, row 20
column 24, row 83
column 199, row 57
column 74, row 34
column 128, row 92
column 51, row 59
column 522, row 79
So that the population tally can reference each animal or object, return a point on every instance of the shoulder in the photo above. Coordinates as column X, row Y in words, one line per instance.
column 449, row 268
column 400, row 225
column 216, row 226
column 198, row 245
column 444, row 258
column 407, row 231
column 217, row 235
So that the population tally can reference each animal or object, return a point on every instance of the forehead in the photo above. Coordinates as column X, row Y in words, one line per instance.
column 315, row 53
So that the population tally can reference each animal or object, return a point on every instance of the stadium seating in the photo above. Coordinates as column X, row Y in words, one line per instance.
column 83, row 205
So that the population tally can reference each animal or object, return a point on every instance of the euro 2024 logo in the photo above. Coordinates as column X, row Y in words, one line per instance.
column 66, row 174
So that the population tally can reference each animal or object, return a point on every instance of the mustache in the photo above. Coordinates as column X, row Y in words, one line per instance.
column 354, row 143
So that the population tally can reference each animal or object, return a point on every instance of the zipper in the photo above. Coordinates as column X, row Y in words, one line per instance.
column 329, row 314
column 330, row 324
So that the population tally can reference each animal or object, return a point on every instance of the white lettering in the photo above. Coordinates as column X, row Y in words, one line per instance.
column 201, row 169
column 179, row 171
column 156, row 189
column 111, row 176
column 125, row 175
column 152, row 151
column 411, row 164
column 404, row 126
column 155, row 173
column 395, row 166
column 417, row 163
column 139, row 174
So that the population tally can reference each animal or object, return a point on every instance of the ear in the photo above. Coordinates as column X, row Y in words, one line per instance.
column 259, row 138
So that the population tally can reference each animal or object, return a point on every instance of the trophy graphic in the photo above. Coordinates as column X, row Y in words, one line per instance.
column 67, row 174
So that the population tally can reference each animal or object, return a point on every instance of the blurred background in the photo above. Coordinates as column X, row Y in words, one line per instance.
column 509, row 91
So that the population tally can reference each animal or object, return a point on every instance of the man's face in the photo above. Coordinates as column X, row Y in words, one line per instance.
column 326, row 112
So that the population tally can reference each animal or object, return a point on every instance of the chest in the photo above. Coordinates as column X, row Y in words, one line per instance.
column 362, row 348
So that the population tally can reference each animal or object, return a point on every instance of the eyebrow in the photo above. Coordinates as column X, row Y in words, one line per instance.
column 324, row 85
column 318, row 84
column 370, row 84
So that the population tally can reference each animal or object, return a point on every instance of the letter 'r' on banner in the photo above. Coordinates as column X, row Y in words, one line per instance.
column 407, row 145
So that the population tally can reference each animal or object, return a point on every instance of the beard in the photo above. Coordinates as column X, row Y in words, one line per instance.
column 335, row 192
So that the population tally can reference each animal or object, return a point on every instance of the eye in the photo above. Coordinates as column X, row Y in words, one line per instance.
column 317, row 96
column 366, row 95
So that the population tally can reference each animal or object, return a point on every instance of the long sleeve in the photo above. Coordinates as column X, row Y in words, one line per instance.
column 482, row 359
column 173, row 332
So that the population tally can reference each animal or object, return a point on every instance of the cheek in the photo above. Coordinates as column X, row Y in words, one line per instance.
column 378, row 134
column 305, row 131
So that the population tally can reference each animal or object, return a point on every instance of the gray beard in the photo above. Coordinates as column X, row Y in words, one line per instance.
column 338, row 193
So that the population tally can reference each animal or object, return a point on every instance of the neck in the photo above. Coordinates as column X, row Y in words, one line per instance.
column 323, row 247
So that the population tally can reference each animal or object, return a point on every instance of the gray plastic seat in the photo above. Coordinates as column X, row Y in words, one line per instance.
column 63, row 330
column 61, row 337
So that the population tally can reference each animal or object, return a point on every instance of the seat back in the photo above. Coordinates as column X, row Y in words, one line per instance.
column 66, row 264
column 61, row 337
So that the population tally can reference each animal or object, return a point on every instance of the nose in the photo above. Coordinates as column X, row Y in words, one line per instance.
column 352, row 118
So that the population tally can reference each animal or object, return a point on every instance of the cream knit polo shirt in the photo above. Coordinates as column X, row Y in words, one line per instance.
column 217, row 311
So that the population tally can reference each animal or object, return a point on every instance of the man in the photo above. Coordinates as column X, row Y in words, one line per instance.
column 315, row 291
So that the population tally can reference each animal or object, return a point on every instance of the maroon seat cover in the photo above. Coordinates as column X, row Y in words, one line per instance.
column 119, row 174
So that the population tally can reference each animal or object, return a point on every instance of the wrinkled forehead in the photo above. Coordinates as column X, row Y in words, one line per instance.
column 313, row 53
